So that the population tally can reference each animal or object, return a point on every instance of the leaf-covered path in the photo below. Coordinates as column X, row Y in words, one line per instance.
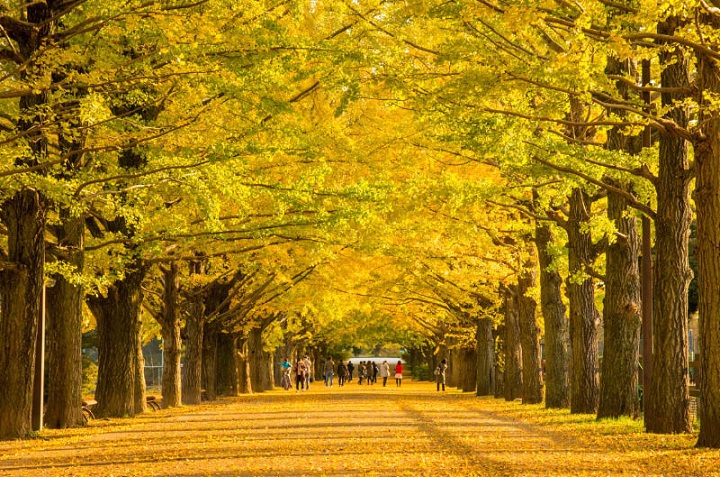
column 363, row 431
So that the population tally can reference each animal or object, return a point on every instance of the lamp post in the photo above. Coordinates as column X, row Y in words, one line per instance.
column 38, row 409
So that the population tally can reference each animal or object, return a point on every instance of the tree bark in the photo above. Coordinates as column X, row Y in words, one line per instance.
column 209, row 363
column 243, row 366
column 227, row 373
column 622, row 305
column 621, row 322
column 256, row 360
column 117, row 316
column 172, row 341
column 64, row 355
column 707, row 199
column 557, row 384
column 454, row 367
column 267, row 371
column 583, row 314
column 64, row 301
column 261, row 362
column 668, row 400
column 194, row 331
column 468, row 371
column 485, row 357
column 140, row 385
column 512, row 373
column 20, row 296
column 529, row 336
column 499, row 335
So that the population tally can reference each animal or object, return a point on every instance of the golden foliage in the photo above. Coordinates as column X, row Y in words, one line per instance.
column 359, row 431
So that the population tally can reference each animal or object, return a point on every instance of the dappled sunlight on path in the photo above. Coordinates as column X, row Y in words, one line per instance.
column 364, row 431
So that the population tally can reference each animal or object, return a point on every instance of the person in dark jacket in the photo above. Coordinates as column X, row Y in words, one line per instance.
column 350, row 368
column 342, row 372
column 361, row 371
column 440, row 374
column 300, row 372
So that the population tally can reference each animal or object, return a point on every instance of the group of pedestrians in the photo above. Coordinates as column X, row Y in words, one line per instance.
column 302, row 371
column 367, row 371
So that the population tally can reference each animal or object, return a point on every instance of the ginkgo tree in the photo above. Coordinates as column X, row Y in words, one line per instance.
column 556, row 68
column 408, row 150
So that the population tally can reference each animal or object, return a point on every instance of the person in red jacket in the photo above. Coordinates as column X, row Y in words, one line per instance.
column 398, row 374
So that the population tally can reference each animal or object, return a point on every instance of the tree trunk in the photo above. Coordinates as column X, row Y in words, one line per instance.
column 621, row 323
column 265, row 370
column 243, row 366
column 209, row 363
column 172, row 341
column 117, row 316
column 454, row 367
column 256, row 360
column 668, row 399
column 485, row 357
column 529, row 336
column 194, row 332
column 21, row 287
column 227, row 375
column 140, row 385
column 267, row 375
column 500, row 360
column 513, row 352
column 23, row 216
column 286, row 352
column 468, row 371
column 707, row 199
column 583, row 314
column 64, row 329
column 557, row 384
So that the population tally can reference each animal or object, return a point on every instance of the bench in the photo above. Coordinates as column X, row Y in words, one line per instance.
column 87, row 406
column 153, row 403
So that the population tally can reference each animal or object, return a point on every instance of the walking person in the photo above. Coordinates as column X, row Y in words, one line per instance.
column 342, row 372
column 376, row 370
column 361, row 371
column 286, row 370
column 350, row 369
column 398, row 374
column 440, row 374
column 299, row 376
column 384, row 372
column 308, row 372
column 329, row 369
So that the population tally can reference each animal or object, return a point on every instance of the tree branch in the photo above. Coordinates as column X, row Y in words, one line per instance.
column 632, row 201
column 710, row 9
column 618, row 6
column 522, row 210
column 17, row 30
column 80, row 188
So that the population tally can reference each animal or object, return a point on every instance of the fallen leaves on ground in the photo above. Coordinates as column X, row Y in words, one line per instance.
column 358, row 431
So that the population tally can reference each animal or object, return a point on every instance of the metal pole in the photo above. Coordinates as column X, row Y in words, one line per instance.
column 38, row 409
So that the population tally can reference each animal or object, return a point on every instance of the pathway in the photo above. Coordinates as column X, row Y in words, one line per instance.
column 351, row 431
